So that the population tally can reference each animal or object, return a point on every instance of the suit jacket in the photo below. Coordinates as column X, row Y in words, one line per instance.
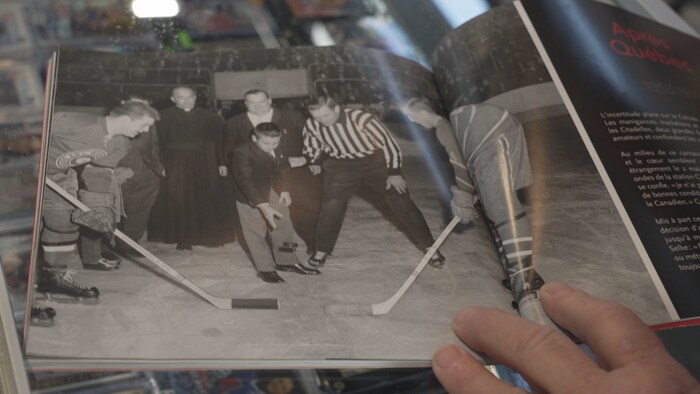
column 144, row 154
column 256, row 173
column 237, row 132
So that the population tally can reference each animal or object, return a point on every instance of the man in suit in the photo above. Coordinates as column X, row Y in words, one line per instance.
column 262, row 199
column 305, row 188
column 139, row 191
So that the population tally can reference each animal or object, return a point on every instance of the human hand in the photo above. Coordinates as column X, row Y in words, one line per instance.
column 223, row 171
column 632, row 359
column 397, row 182
column 315, row 169
column 285, row 199
column 298, row 161
column 270, row 214
column 462, row 205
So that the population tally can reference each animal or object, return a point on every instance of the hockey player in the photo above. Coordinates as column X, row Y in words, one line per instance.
column 93, row 145
column 488, row 154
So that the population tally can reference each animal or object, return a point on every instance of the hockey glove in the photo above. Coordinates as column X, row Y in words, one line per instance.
column 123, row 174
column 462, row 205
column 102, row 216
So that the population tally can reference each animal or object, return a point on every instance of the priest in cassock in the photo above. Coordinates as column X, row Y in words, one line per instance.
column 194, row 204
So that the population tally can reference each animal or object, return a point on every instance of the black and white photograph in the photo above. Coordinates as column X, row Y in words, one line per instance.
column 304, row 207
column 245, row 199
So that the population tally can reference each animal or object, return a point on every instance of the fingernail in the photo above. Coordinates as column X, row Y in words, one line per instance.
column 446, row 356
column 556, row 289
column 463, row 317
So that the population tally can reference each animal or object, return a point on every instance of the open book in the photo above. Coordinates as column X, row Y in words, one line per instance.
column 599, row 161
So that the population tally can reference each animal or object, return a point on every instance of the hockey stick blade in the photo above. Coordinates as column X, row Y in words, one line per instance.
column 221, row 303
column 383, row 308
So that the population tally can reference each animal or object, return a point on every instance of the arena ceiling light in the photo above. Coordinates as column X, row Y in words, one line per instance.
column 155, row 8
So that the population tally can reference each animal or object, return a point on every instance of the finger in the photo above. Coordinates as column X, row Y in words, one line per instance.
column 458, row 372
column 618, row 336
column 543, row 355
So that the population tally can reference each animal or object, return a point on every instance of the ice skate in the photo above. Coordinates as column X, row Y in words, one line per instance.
column 60, row 287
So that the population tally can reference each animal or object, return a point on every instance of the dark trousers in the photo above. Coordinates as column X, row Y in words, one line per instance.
column 140, row 193
column 306, row 191
column 342, row 179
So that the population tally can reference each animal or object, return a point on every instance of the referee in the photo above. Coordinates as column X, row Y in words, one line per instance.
column 357, row 149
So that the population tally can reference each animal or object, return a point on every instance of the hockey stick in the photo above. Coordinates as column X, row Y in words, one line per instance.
column 386, row 306
column 221, row 303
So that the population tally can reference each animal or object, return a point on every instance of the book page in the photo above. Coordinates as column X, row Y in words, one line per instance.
column 633, row 89
column 199, row 287
column 578, row 235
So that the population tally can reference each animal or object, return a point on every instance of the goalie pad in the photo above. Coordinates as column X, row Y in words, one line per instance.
column 102, row 216
column 462, row 205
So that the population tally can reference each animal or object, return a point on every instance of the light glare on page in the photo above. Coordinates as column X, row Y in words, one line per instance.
column 155, row 8
column 457, row 13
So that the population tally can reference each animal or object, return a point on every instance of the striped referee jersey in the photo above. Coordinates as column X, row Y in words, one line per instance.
column 356, row 134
